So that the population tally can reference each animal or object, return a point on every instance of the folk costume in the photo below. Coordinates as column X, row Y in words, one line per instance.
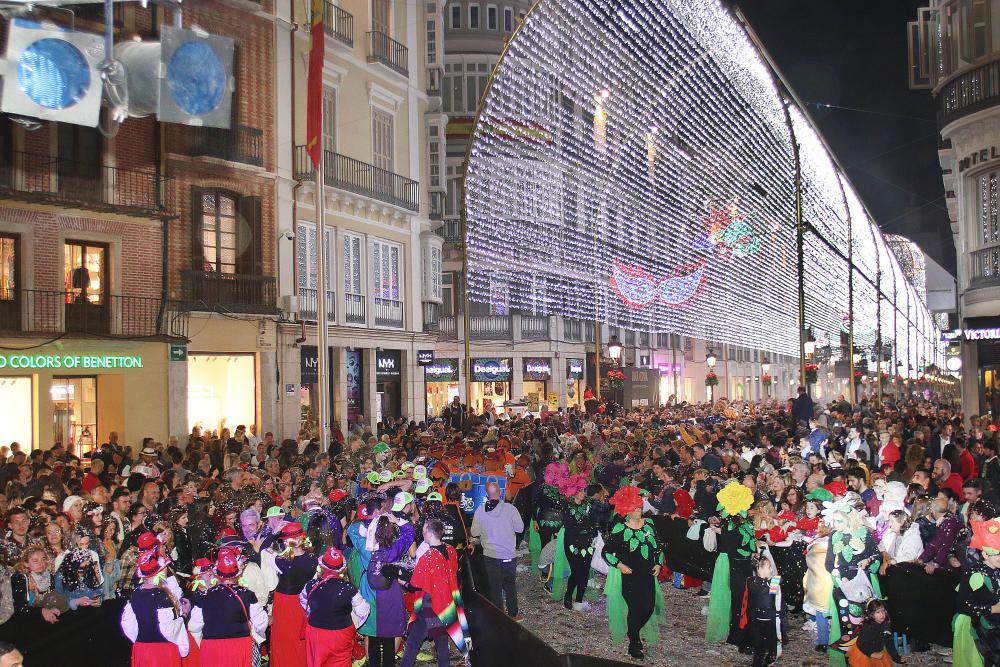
column 549, row 504
column 225, row 618
column 288, row 648
column 152, row 619
column 635, row 604
column 438, row 612
column 333, row 610
column 574, row 545
column 976, row 625
column 737, row 544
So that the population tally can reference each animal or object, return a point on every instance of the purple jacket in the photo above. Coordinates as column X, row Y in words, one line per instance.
column 389, row 609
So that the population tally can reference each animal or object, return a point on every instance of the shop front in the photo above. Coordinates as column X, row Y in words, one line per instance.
column 441, row 384
column 537, row 372
column 490, row 382
column 388, row 384
column 355, row 390
column 576, row 369
column 78, row 394
column 222, row 390
column 982, row 334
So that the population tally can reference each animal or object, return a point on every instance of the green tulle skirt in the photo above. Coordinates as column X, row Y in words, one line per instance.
column 618, row 610
column 835, row 657
column 534, row 546
column 966, row 654
column 720, row 603
column 560, row 567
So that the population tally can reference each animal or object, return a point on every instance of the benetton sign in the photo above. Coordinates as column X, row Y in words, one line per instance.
column 68, row 361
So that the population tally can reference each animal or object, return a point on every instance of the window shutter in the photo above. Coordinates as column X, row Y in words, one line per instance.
column 197, row 243
column 248, row 237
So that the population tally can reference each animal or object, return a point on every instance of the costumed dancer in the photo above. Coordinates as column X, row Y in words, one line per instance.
column 977, row 623
column 152, row 618
column 296, row 565
column 632, row 589
column 438, row 612
column 737, row 544
column 392, row 538
column 333, row 609
column 549, row 505
column 225, row 617
column 574, row 544
column 760, row 613
column 851, row 552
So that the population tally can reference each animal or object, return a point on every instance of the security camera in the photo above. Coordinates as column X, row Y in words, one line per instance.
column 288, row 236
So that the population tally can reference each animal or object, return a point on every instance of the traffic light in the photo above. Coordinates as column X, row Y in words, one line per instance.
column 52, row 73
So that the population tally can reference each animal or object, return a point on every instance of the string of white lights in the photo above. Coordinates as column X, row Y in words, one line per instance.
column 633, row 163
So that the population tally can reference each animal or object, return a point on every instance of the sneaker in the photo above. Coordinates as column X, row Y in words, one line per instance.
column 635, row 650
column 518, row 619
column 581, row 606
column 522, row 568
column 424, row 657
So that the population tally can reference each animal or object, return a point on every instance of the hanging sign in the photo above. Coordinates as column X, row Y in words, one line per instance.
column 491, row 370
column 575, row 369
column 425, row 357
column 387, row 366
column 442, row 370
column 537, row 369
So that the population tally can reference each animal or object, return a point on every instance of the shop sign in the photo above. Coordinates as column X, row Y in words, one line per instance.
column 425, row 357
column 948, row 336
column 308, row 364
column 992, row 333
column 68, row 361
column 575, row 369
column 178, row 352
column 442, row 370
column 491, row 370
column 387, row 366
column 980, row 156
column 537, row 369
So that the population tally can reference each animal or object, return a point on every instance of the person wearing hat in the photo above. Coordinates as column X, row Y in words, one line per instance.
column 295, row 566
column 148, row 463
column 152, row 618
column 333, row 609
column 78, row 572
column 393, row 538
column 226, row 618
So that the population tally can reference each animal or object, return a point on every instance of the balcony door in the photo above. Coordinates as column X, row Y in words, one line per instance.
column 10, row 294
column 382, row 16
column 383, row 153
column 80, row 158
column 226, row 237
column 85, row 266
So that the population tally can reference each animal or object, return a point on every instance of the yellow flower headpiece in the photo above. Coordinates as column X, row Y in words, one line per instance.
column 735, row 499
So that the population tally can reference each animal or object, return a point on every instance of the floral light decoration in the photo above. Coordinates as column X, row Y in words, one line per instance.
column 616, row 379
column 858, row 376
column 812, row 373
column 711, row 379
column 766, row 380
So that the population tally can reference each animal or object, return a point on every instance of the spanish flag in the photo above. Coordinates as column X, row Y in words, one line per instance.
column 314, row 85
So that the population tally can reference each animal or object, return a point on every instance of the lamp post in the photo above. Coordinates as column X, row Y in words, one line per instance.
column 615, row 354
column 710, row 361
column 765, row 370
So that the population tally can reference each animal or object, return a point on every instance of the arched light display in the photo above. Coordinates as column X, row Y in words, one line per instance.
column 662, row 193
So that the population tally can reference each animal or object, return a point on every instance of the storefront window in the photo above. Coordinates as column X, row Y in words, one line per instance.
column 441, row 378
column 16, row 426
column 74, row 413
column 222, row 391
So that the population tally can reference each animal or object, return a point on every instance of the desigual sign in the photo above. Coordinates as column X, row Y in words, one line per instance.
column 491, row 370
column 68, row 361
column 537, row 370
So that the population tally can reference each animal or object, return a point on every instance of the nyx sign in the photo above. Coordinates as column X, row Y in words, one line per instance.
column 387, row 366
column 425, row 357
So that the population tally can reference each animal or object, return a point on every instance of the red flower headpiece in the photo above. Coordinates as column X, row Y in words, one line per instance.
column 985, row 535
column 572, row 485
column 684, row 503
column 838, row 489
column 555, row 473
column 626, row 500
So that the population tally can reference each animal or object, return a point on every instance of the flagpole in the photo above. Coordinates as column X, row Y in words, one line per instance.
column 322, row 327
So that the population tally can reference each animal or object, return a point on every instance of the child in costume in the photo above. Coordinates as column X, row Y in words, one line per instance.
column 977, row 623
column 737, row 544
column 875, row 647
column 760, row 612
column 296, row 566
column 574, row 544
column 333, row 608
column 152, row 618
column 632, row 588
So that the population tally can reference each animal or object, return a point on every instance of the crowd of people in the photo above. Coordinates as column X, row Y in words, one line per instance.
column 240, row 550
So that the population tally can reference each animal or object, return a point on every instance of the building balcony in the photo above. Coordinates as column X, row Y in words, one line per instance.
column 491, row 327
column 387, row 51
column 361, row 178
column 41, row 312
column 240, row 143
column 984, row 268
column 437, row 206
column 88, row 185
column 308, row 305
column 447, row 327
column 435, row 76
column 573, row 329
column 450, row 231
column 973, row 91
column 230, row 292
column 431, row 315
column 534, row 327
column 388, row 313
column 355, row 310
column 338, row 24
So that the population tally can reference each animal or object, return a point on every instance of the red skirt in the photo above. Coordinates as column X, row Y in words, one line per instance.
column 287, row 647
column 192, row 659
column 155, row 654
column 235, row 652
column 329, row 648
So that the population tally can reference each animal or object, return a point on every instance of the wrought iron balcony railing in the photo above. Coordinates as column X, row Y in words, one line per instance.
column 308, row 305
column 90, row 185
column 338, row 24
column 361, row 178
column 240, row 143
column 388, row 313
column 387, row 51
column 53, row 312
column 230, row 292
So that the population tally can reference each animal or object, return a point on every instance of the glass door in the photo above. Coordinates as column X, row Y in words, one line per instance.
column 74, row 413
column 10, row 312
column 86, row 269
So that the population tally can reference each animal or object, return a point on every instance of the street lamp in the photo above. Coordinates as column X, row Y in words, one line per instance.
column 810, row 348
column 765, row 370
column 710, row 361
column 615, row 350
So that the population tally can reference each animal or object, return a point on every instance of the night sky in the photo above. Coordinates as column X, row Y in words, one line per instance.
column 853, row 53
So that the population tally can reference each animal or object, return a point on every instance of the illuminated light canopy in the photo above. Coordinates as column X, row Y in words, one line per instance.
column 633, row 163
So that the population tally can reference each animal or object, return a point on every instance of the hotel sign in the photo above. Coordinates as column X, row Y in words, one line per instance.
column 979, row 157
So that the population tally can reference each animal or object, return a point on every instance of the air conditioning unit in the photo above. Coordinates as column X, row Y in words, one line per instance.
column 288, row 304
